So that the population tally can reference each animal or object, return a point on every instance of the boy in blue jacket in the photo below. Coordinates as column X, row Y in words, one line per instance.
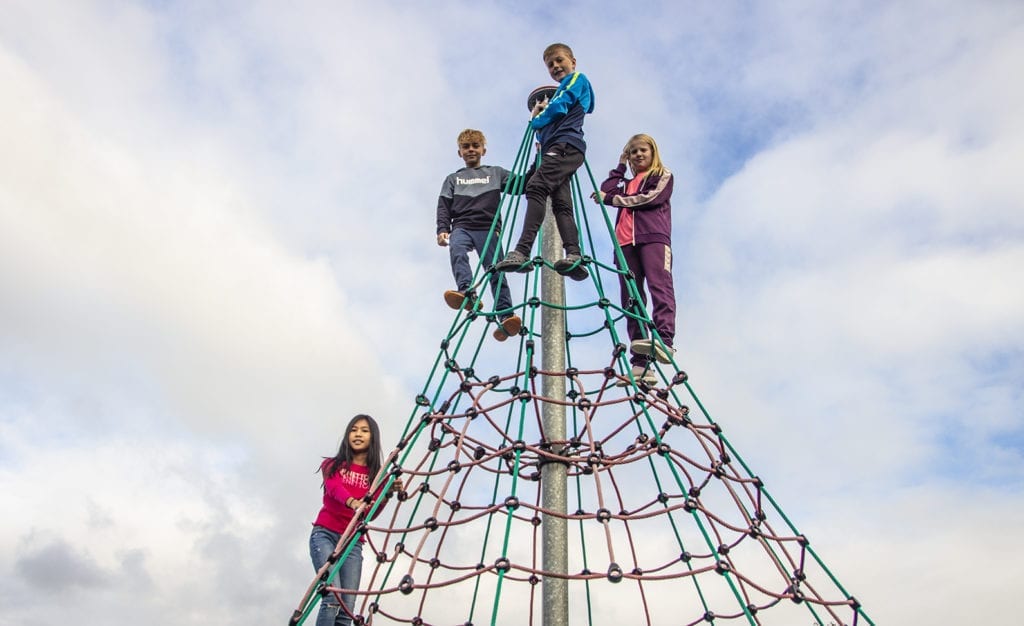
column 559, row 126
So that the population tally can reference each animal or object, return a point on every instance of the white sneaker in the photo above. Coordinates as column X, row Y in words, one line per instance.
column 640, row 346
column 640, row 374
column 656, row 349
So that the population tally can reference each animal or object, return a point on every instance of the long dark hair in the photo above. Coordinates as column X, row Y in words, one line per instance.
column 343, row 459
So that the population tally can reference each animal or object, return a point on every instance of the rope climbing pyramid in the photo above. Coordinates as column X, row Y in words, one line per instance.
column 545, row 483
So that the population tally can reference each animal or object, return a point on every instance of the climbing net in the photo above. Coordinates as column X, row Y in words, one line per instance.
column 659, row 520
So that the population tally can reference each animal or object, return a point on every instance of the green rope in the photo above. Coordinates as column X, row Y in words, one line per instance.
column 463, row 359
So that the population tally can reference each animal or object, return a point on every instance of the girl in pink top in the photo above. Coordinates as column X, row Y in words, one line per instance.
column 346, row 480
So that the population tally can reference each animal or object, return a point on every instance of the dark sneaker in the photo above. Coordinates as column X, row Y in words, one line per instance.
column 509, row 327
column 569, row 263
column 456, row 300
column 578, row 274
column 514, row 261
column 571, row 266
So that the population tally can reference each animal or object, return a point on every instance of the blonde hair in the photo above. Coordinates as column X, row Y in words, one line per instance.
column 470, row 135
column 556, row 47
column 657, row 168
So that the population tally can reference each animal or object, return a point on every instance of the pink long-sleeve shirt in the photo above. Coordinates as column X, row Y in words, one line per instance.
column 350, row 482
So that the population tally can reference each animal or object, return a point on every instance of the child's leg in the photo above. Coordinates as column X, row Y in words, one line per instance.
column 556, row 167
column 656, row 259
column 561, row 206
column 502, row 296
column 321, row 546
column 459, row 244
column 348, row 578
column 633, row 328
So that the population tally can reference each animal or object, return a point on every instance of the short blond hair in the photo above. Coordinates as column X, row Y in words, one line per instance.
column 555, row 47
column 470, row 135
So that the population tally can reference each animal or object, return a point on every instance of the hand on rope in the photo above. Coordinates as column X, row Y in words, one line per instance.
column 396, row 487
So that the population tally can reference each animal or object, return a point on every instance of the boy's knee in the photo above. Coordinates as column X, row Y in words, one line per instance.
column 535, row 187
column 560, row 206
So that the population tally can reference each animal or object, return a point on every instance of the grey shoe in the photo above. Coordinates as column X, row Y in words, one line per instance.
column 564, row 266
column 571, row 266
column 514, row 261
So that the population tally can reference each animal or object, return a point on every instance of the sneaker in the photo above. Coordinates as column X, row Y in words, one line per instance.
column 640, row 346
column 578, row 274
column 569, row 263
column 649, row 347
column 514, row 261
column 571, row 266
column 509, row 326
column 640, row 374
column 456, row 299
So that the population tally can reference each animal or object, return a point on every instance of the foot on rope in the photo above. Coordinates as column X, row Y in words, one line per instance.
column 641, row 374
column 571, row 266
column 649, row 347
column 514, row 261
column 456, row 300
column 508, row 327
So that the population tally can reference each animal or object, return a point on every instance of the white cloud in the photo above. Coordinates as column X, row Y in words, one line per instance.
column 216, row 243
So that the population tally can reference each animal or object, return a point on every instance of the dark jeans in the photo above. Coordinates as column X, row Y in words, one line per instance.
column 651, row 264
column 557, row 166
column 460, row 243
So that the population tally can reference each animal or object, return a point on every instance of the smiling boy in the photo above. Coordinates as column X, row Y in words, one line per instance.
column 559, row 126
column 466, row 207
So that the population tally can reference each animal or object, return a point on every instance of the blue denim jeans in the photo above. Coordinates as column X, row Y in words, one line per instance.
column 321, row 545
column 460, row 243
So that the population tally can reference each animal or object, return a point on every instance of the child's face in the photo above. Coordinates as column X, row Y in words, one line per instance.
column 560, row 64
column 360, row 437
column 471, row 152
column 640, row 156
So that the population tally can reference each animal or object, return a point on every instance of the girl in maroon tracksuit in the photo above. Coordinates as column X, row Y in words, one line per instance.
column 643, row 228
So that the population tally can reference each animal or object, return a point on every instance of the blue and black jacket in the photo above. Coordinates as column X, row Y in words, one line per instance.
column 562, row 120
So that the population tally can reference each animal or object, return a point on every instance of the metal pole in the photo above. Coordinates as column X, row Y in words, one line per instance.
column 553, row 481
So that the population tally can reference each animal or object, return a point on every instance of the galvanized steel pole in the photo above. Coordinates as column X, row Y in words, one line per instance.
column 553, row 484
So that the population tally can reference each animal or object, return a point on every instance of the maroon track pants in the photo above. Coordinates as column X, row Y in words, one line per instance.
column 651, row 264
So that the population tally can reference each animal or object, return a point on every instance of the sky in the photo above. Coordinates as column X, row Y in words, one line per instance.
column 217, row 245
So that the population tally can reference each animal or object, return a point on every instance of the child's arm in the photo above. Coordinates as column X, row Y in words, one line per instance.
column 444, row 211
column 395, row 488
column 577, row 90
column 615, row 182
column 656, row 196
column 517, row 186
column 335, row 489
